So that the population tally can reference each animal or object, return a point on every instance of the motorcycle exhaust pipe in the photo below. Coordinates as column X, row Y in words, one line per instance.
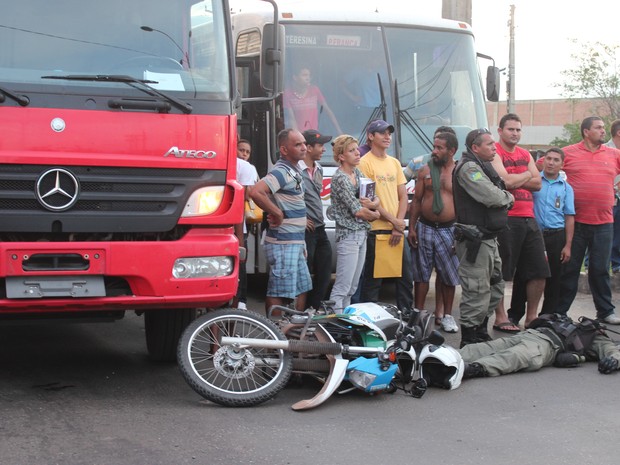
column 307, row 347
column 318, row 365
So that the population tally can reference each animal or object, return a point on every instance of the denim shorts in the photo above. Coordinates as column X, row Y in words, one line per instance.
column 288, row 270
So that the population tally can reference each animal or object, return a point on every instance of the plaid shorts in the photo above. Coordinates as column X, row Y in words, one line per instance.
column 288, row 270
column 435, row 249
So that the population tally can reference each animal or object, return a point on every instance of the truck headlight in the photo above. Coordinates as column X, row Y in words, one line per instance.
column 204, row 201
column 202, row 267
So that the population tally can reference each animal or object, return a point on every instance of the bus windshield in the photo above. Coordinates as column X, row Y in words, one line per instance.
column 179, row 46
column 340, row 77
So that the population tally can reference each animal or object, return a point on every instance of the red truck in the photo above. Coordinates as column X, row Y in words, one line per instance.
column 118, row 161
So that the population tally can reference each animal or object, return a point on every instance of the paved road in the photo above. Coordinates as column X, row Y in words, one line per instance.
column 86, row 394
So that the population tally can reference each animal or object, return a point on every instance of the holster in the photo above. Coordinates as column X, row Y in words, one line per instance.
column 473, row 247
column 472, row 236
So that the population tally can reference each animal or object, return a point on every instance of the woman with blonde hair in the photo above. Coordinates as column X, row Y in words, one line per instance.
column 352, row 214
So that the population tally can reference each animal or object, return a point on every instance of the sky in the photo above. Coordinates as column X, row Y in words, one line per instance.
column 543, row 33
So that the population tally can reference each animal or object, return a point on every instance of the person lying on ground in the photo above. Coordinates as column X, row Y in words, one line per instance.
column 552, row 339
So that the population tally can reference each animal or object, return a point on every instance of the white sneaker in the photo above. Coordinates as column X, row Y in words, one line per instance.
column 612, row 319
column 242, row 305
column 449, row 325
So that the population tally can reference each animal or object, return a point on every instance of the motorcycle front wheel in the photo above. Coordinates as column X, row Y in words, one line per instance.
column 228, row 375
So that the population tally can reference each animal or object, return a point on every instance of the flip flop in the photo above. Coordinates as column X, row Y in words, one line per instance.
column 507, row 327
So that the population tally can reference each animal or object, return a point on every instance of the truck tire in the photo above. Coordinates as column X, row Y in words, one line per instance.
column 163, row 329
column 232, row 376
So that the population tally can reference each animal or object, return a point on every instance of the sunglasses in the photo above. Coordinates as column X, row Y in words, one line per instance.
column 298, row 181
column 473, row 136
column 481, row 131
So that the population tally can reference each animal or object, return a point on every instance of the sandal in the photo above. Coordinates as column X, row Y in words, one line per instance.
column 507, row 327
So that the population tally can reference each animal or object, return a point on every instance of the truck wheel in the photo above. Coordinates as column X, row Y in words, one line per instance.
column 163, row 329
column 228, row 375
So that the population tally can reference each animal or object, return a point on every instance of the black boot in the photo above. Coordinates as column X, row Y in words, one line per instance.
column 468, row 335
column 474, row 370
column 483, row 331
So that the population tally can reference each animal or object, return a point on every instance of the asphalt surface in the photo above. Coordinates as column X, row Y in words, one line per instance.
column 87, row 394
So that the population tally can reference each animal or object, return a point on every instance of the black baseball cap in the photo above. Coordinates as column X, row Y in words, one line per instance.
column 313, row 136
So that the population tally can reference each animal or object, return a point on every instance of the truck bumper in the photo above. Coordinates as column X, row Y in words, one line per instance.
column 144, row 268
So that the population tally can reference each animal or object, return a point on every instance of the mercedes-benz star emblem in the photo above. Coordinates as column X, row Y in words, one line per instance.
column 57, row 189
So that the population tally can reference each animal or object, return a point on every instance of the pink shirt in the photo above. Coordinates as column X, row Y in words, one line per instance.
column 305, row 109
column 592, row 176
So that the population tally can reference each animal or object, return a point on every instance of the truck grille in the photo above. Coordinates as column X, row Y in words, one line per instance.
column 110, row 199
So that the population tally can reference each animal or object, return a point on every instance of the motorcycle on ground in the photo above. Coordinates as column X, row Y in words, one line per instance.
column 240, row 358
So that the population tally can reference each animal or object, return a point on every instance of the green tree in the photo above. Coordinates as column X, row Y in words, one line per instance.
column 594, row 74
column 572, row 135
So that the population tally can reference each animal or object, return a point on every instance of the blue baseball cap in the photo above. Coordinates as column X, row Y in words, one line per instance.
column 379, row 125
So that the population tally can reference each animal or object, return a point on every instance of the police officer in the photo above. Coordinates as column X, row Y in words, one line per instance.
column 481, row 202
column 552, row 339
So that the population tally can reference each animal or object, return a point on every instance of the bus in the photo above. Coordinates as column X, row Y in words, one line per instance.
column 118, row 161
column 371, row 60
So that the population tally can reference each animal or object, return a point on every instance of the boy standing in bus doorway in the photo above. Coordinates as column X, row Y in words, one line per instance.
column 317, row 244
column 389, row 229
column 303, row 104
column 281, row 195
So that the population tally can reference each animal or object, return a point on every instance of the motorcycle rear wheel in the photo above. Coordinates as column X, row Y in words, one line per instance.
column 230, row 376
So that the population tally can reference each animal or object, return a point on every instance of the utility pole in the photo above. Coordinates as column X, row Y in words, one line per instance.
column 511, row 62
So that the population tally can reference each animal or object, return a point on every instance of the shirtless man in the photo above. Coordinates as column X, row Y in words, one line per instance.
column 431, row 228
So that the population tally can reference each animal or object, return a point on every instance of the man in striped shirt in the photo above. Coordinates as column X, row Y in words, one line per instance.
column 281, row 195
column 591, row 167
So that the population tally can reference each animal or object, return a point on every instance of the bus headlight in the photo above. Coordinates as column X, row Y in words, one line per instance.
column 204, row 201
column 202, row 267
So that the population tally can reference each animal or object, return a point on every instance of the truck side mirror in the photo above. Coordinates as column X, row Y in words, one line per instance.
column 492, row 83
column 272, row 59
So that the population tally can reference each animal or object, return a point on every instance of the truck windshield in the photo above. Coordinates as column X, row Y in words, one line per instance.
column 415, row 78
column 179, row 45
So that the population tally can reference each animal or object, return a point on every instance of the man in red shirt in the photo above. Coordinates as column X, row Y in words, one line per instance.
column 521, row 245
column 591, row 167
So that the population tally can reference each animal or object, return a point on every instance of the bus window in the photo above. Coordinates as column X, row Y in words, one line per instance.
column 347, row 64
column 436, row 77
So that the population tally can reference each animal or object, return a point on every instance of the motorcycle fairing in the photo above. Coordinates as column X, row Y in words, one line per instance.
column 372, row 366
column 337, row 372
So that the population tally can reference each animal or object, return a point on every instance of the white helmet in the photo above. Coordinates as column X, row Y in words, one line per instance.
column 441, row 366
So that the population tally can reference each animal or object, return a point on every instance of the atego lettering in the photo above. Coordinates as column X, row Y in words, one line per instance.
column 181, row 153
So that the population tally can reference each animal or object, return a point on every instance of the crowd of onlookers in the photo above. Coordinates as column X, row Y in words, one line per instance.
column 495, row 215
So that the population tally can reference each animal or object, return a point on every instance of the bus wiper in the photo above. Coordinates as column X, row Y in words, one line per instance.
column 404, row 118
column 21, row 99
column 377, row 112
column 140, row 84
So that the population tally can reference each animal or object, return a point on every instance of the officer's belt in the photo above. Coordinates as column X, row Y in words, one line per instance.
column 551, row 334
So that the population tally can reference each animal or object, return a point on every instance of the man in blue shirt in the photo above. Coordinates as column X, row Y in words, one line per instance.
column 281, row 196
column 554, row 208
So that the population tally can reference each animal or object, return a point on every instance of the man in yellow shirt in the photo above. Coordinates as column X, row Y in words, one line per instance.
column 388, row 231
